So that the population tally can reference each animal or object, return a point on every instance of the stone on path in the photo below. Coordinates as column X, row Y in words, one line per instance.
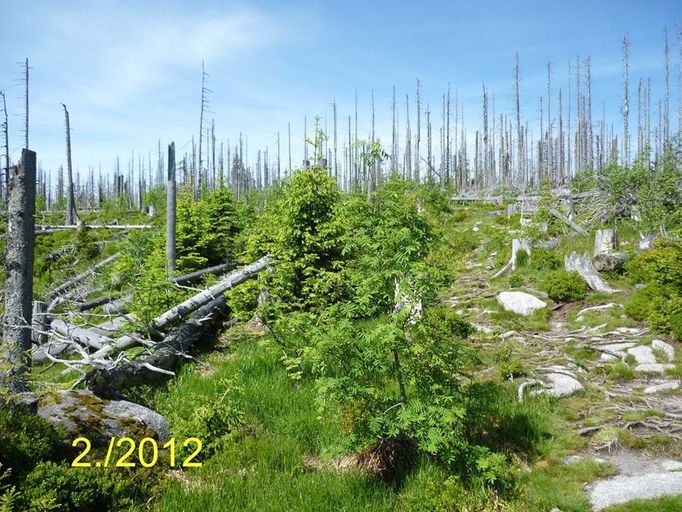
column 642, row 354
column 520, row 302
column 664, row 347
column 624, row 488
column 666, row 386
column 653, row 367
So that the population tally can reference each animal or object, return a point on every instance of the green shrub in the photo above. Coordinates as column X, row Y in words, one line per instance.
column 516, row 280
column 522, row 258
column 661, row 265
column 545, row 259
column 620, row 371
column 563, row 286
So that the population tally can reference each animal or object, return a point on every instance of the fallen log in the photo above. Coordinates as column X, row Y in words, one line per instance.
column 189, row 305
column 92, row 304
column 584, row 267
column 61, row 227
column 568, row 221
column 118, row 306
column 109, row 382
column 205, row 296
column 195, row 276
column 80, row 335
column 54, row 348
column 63, row 288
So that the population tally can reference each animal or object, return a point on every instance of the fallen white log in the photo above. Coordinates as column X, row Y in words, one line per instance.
column 189, row 305
column 60, row 227
column 195, row 276
column 583, row 265
column 63, row 288
column 79, row 334
column 568, row 221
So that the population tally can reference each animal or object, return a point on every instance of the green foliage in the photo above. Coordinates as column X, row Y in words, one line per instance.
column 660, row 301
column 206, row 229
column 563, row 286
column 545, row 259
column 620, row 371
column 85, row 245
column 301, row 231
column 156, row 197
column 61, row 488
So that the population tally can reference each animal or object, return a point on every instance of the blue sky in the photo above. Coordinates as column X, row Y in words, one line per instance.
column 130, row 72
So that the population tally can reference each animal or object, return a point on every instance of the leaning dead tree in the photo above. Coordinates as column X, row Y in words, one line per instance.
column 19, row 270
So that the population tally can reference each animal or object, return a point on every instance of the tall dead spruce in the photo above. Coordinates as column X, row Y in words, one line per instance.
column 19, row 269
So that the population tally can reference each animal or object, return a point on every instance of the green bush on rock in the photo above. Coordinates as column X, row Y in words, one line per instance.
column 563, row 286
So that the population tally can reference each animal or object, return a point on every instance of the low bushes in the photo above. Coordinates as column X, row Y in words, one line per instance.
column 563, row 286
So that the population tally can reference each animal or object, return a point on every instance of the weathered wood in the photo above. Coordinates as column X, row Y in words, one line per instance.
column 40, row 322
column 646, row 240
column 205, row 296
column 193, row 303
column 584, row 267
column 59, row 227
column 118, row 306
column 19, row 255
column 518, row 244
column 170, row 210
column 124, row 375
column 195, row 276
column 568, row 221
column 92, row 304
column 605, row 241
column 54, row 348
column 80, row 335
column 63, row 288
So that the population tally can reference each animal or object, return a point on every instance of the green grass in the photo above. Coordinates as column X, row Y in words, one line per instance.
column 665, row 504
column 263, row 469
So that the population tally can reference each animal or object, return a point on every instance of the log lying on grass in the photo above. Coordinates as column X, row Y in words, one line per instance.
column 78, row 334
column 91, row 226
column 118, row 306
column 584, row 267
column 518, row 244
column 58, row 292
column 92, row 304
column 568, row 221
column 110, row 382
column 189, row 305
column 195, row 276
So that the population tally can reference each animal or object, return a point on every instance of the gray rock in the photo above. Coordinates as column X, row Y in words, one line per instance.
column 622, row 488
column 666, row 386
column 672, row 465
column 642, row 354
column 607, row 262
column 562, row 384
column 664, row 347
column 83, row 413
column 520, row 302
column 653, row 367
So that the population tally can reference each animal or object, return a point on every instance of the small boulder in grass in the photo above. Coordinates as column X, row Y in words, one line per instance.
column 520, row 302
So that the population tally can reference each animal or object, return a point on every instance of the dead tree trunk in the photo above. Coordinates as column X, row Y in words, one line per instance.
column 19, row 270
column 605, row 241
column 40, row 322
column 63, row 288
column 110, row 382
column 518, row 244
column 70, row 197
column 583, row 266
column 195, row 276
column 568, row 221
column 170, row 210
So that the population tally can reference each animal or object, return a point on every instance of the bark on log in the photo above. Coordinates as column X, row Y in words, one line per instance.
column 195, row 276
column 19, row 255
column 584, row 267
column 605, row 241
column 80, row 335
column 118, row 306
column 518, row 244
column 60, row 290
column 204, row 297
column 110, row 382
column 54, row 348
column 190, row 305
column 568, row 221
column 40, row 322
column 92, row 304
